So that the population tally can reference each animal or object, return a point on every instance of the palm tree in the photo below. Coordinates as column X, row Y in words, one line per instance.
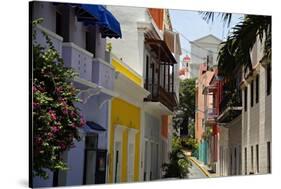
column 209, row 16
column 235, row 51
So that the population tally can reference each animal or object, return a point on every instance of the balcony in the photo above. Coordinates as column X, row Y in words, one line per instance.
column 211, row 116
column 159, row 94
column 95, row 75
column 103, row 73
column 55, row 39
column 230, row 106
column 79, row 59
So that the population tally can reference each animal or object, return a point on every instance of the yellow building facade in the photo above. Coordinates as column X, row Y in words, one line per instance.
column 125, row 127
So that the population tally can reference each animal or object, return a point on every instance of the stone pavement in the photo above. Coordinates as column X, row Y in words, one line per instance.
column 204, row 168
column 195, row 171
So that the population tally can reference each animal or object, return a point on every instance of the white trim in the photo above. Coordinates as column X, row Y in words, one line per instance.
column 228, row 109
column 205, row 37
column 120, row 127
column 118, row 137
column 94, row 85
column 133, row 131
column 142, row 145
column 150, row 27
column 73, row 45
column 131, row 141
column 129, row 90
column 156, row 108
column 49, row 32
column 109, row 92
column 123, row 78
column 85, row 82
column 155, row 27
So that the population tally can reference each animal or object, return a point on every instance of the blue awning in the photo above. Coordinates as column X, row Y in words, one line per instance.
column 97, row 14
column 95, row 126
column 109, row 25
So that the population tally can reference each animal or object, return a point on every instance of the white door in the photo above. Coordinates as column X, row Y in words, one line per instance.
column 131, row 162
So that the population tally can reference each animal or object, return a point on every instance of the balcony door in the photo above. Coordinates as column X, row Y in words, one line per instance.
column 90, row 39
column 62, row 22
column 152, row 71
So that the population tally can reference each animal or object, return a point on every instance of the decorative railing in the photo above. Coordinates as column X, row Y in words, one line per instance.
column 92, row 69
column 103, row 73
column 55, row 39
column 231, row 99
column 161, row 95
column 79, row 59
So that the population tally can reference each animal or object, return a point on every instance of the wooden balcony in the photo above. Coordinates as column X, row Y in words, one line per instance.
column 159, row 94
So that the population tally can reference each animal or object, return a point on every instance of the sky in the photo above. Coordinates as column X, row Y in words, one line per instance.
column 192, row 26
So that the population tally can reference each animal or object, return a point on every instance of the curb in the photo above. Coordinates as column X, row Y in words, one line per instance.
column 201, row 168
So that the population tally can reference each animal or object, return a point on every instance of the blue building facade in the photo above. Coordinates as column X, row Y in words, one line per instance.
column 78, row 33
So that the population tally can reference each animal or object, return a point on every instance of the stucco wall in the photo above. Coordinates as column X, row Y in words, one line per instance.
column 47, row 11
column 76, row 163
column 40, row 182
column 92, row 111
column 120, row 110
column 152, row 131
column 202, row 103
column 224, row 151
column 257, row 128
column 130, row 47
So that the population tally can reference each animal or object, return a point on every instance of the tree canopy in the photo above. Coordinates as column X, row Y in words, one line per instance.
column 185, row 113
column 235, row 51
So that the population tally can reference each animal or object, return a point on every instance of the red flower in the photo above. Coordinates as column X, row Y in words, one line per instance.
column 38, row 140
column 62, row 146
column 72, row 113
column 50, row 135
column 65, row 111
column 58, row 89
column 34, row 89
column 55, row 129
column 36, row 105
column 82, row 122
column 52, row 115
column 72, row 125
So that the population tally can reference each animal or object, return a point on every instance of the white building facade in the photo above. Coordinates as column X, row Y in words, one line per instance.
column 203, row 50
column 138, row 26
column 257, row 116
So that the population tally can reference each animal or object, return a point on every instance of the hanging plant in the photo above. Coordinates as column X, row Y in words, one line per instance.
column 55, row 118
